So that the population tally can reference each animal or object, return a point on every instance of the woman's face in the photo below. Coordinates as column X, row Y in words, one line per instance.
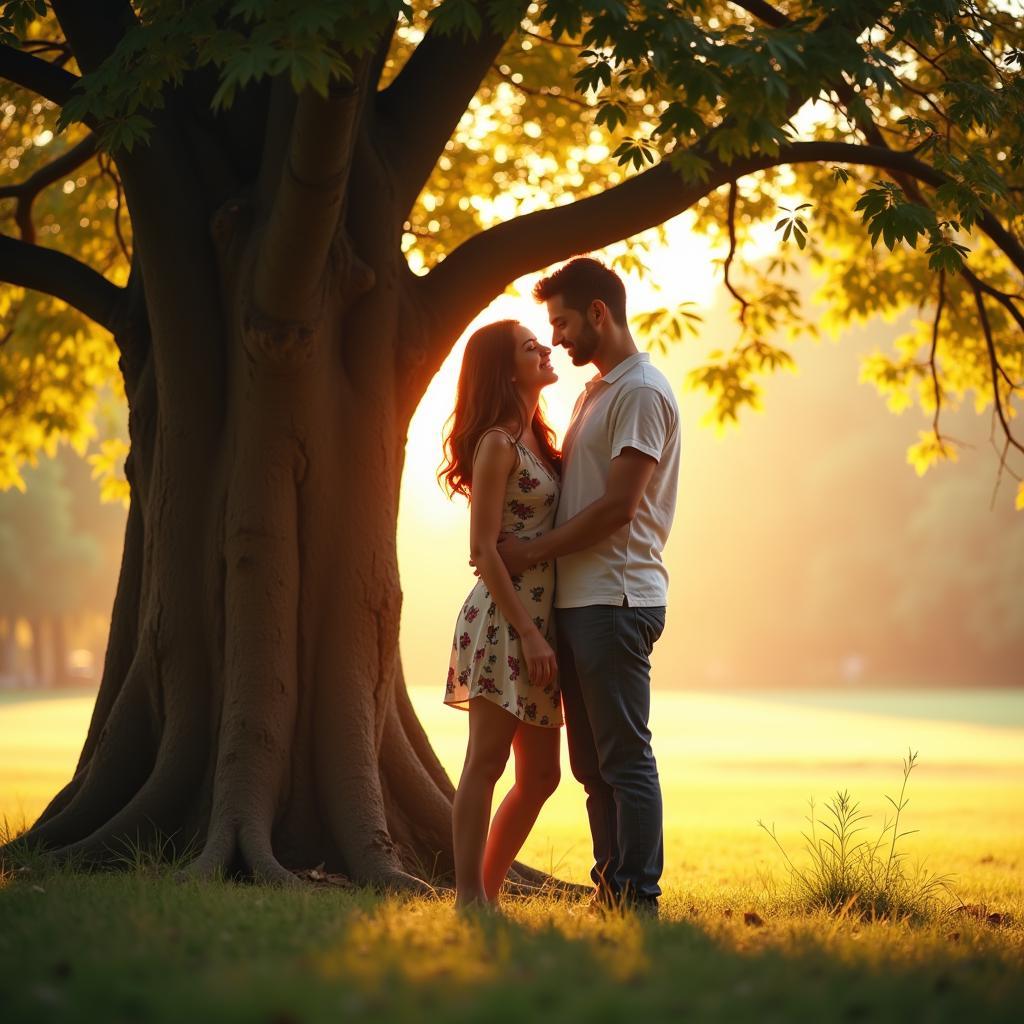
column 532, row 360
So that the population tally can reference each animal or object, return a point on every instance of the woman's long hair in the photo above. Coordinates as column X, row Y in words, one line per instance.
column 487, row 397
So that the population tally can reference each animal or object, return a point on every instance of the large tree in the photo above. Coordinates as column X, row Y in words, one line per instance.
column 278, row 212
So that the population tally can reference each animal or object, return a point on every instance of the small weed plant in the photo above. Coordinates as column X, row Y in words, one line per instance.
column 159, row 854
column 847, row 873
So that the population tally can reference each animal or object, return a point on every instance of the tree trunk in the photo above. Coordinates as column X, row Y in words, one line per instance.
column 252, row 706
column 252, row 709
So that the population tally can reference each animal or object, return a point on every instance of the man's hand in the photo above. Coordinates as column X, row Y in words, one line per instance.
column 502, row 537
column 516, row 554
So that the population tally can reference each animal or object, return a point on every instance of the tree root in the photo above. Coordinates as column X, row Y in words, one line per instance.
column 216, row 855
column 523, row 874
column 123, row 640
column 258, row 856
column 119, row 767
column 62, row 799
column 418, row 740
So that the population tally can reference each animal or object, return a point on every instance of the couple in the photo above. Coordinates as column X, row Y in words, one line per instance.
column 525, row 647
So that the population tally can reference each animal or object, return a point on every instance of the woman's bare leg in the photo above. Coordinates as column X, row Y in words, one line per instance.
column 491, row 729
column 537, row 773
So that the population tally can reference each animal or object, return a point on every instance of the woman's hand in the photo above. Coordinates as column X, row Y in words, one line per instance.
column 540, row 658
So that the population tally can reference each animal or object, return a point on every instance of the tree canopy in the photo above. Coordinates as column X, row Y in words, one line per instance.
column 904, row 193
column 908, row 188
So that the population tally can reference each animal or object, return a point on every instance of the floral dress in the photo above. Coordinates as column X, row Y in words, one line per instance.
column 487, row 657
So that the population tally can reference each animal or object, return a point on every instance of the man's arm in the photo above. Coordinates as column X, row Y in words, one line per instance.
column 628, row 476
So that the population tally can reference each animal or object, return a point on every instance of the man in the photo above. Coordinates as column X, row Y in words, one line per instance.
column 619, row 476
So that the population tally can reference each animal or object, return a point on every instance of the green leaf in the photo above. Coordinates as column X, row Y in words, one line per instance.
column 689, row 166
column 458, row 18
column 610, row 114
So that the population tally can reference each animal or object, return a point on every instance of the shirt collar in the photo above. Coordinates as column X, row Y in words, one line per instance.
column 619, row 370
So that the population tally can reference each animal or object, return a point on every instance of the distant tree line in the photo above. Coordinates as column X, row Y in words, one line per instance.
column 58, row 547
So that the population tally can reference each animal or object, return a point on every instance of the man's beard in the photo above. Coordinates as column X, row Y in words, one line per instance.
column 585, row 345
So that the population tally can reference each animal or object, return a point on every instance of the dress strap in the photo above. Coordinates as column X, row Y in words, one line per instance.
column 500, row 430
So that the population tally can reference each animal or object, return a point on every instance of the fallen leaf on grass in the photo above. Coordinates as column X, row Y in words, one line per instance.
column 975, row 910
column 753, row 919
column 980, row 912
column 322, row 877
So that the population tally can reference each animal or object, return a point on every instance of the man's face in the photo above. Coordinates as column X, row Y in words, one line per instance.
column 571, row 329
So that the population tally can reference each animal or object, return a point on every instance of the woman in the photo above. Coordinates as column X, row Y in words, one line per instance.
column 500, row 455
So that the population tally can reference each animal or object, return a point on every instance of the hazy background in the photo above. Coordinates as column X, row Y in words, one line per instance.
column 806, row 553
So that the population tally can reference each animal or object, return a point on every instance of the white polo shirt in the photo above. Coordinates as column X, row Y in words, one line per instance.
column 632, row 406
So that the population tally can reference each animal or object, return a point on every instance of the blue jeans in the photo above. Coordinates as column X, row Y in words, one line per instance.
column 604, row 671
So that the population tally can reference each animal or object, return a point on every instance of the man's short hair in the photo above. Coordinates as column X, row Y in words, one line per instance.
column 581, row 281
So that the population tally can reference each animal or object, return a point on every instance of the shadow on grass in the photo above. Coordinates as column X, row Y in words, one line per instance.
column 140, row 946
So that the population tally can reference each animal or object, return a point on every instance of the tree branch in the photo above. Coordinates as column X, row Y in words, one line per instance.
column 931, row 355
column 423, row 105
column 776, row 19
column 871, row 132
column 39, row 76
column 873, row 135
column 65, row 278
column 380, row 58
column 93, row 30
column 26, row 191
column 768, row 14
column 1003, row 298
column 636, row 204
column 551, row 42
column 483, row 265
column 108, row 171
column 304, row 215
column 997, row 370
column 732, row 253
column 527, row 90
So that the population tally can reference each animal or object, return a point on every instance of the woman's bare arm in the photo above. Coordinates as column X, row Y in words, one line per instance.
column 493, row 463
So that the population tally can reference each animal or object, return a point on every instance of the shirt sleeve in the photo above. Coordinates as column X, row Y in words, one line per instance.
column 642, row 419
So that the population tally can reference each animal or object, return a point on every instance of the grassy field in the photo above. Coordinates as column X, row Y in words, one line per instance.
column 143, row 947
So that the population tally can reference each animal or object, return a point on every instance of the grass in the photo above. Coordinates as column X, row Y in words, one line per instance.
column 847, row 875
column 140, row 946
